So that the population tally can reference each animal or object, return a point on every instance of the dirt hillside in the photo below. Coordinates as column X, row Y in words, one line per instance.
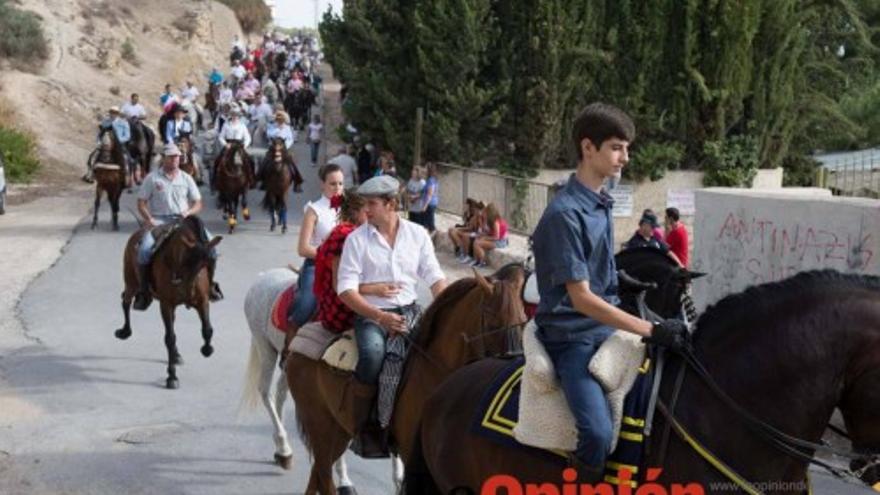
column 89, row 69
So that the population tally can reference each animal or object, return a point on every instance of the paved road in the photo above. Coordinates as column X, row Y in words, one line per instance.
column 93, row 416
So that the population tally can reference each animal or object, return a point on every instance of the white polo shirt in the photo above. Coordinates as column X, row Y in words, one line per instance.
column 367, row 258
column 167, row 196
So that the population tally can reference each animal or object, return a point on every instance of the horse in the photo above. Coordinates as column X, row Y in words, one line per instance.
column 278, row 172
column 212, row 98
column 470, row 319
column 779, row 357
column 299, row 106
column 670, row 296
column 265, row 351
column 193, row 109
column 232, row 179
column 108, row 163
column 187, row 159
column 180, row 275
column 140, row 147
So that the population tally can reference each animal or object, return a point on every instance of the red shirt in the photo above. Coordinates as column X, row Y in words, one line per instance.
column 677, row 239
column 248, row 65
column 332, row 312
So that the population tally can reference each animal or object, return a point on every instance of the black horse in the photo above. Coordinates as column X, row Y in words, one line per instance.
column 670, row 296
column 299, row 106
column 140, row 147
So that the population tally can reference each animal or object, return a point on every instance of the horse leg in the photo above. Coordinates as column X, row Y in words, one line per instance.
column 282, row 215
column 272, row 218
column 114, row 206
column 396, row 472
column 125, row 332
column 207, row 329
column 97, row 205
column 344, row 485
column 170, row 345
column 245, row 213
column 283, row 452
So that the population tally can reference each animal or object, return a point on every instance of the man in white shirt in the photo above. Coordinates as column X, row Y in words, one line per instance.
column 133, row 109
column 382, row 260
column 238, row 71
column 234, row 130
column 348, row 165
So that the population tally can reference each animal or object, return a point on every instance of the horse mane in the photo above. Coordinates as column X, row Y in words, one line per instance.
column 763, row 301
column 456, row 291
column 646, row 252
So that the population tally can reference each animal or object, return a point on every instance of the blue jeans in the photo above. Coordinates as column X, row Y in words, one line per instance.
column 315, row 145
column 371, row 350
column 148, row 241
column 305, row 304
column 585, row 397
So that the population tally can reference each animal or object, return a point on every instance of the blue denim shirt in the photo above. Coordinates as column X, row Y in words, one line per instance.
column 573, row 241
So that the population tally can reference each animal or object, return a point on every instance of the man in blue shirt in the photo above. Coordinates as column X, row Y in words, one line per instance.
column 122, row 131
column 577, row 280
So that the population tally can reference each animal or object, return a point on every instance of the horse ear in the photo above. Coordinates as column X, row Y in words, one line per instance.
column 484, row 284
column 694, row 275
column 687, row 275
column 213, row 242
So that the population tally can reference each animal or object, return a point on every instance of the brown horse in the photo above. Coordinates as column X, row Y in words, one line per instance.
column 471, row 319
column 180, row 275
column 212, row 101
column 187, row 162
column 802, row 348
column 278, row 172
column 140, row 148
column 233, row 177
column 109, row 167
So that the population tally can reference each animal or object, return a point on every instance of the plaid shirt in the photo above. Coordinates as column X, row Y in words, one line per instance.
column 332, row 312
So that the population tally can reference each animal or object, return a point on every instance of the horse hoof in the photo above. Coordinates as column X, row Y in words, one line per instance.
column 207, row 350
column 271, row 228
column 346, row 490
column 177, row 360
column 285, row 461
column 122, row 333
column 172, row 384
column 283, row 230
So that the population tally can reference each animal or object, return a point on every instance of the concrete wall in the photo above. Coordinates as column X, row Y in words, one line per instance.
column 487, row 186
column 750, row 237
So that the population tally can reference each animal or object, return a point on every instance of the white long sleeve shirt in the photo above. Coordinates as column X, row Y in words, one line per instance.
column 235, row 131
column 367, row 258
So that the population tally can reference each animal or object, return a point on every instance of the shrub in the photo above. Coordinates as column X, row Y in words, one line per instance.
column 19, row 154
column 253, row 15
column 732, row 162
column 21, row 35
column 799, row 171
column 128, row 52
column 652, row 160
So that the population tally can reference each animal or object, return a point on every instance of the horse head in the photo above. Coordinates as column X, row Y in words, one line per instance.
column 188, row 251
column 475, row 318
column 649, row 264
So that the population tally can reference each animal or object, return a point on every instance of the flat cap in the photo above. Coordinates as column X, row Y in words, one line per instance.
column 379, row 186
column 171, row 149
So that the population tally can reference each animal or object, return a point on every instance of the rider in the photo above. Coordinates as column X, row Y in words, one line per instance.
column 167, row 95
column 167, row 194
column 234, row 130
column 133, row 109
column 388, row 255
column 577, row 281
column 120, row 127
column 215, row 77
column 179, row 126
column 280, row 128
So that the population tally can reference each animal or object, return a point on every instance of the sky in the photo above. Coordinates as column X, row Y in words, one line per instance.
column 301, row 13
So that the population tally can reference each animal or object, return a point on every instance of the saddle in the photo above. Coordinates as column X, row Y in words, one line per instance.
column 161, row 234
column 545, row 420
column 339, row 351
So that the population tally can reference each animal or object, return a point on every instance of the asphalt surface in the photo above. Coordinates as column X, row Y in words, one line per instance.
column 93, row 414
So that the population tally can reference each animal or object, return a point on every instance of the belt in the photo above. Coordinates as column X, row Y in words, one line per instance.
column 401, row 309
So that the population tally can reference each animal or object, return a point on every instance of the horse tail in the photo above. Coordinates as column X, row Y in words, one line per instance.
column 250, row 397
column 417, row 479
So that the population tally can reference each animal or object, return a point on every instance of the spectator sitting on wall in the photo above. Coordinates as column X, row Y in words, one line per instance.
column 644, row 237
column 460, row 234
column 493, row 234
column 677, row 236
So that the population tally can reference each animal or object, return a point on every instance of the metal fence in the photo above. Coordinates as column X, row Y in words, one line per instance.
column 855, row 173
column 520, row 201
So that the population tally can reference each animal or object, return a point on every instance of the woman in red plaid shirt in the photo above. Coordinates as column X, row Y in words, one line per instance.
column 333, row 314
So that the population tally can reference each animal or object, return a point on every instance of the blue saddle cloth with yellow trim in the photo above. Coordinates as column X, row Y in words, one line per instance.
column 499, row 412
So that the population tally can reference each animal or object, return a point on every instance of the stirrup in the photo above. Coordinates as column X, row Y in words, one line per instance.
column 142, row 301
column 215, row 293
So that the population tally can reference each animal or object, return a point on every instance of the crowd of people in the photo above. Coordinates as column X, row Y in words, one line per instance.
column 673, row 240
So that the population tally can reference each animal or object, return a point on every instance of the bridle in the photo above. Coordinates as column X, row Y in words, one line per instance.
column 513, row 332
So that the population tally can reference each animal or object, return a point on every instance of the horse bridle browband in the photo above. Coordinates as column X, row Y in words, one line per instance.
column 514, row 332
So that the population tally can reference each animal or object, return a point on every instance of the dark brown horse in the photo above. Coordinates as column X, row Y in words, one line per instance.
column 187, row 162
column 212, row 101
column 140, row 148
column 469, row 320
column 109, row 167
column 278, row 172
column 234, row 175
column 180, row 275
column 788, row 353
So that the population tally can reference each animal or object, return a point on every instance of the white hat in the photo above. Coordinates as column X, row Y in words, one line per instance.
column 114, row 109
column 379, row 186
column 171, row 149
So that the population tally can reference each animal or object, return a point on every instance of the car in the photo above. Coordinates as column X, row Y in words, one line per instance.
column 2, row 186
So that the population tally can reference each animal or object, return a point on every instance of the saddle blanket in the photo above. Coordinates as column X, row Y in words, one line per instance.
column 315, row 342
column 280, row 308
column 508, row 412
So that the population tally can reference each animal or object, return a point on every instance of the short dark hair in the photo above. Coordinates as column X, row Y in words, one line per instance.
column 133, row 95
column 673, row 213
column 599, row 122
column 329, row 169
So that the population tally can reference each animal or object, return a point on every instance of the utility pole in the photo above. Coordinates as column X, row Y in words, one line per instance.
column 317, row 9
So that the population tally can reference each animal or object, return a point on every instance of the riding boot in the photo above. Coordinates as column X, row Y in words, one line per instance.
column 370, row 440
column 215, row 294
column 297, row 178
column 143, row 298
column 586, row 474
column 89, row 176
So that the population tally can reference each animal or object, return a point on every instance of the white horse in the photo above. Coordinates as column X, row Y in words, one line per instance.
column 266, row 346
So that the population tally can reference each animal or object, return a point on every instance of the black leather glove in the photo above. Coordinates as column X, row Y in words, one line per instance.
column 671, row 333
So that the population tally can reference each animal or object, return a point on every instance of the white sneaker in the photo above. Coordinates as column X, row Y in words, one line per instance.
column 466, row 260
